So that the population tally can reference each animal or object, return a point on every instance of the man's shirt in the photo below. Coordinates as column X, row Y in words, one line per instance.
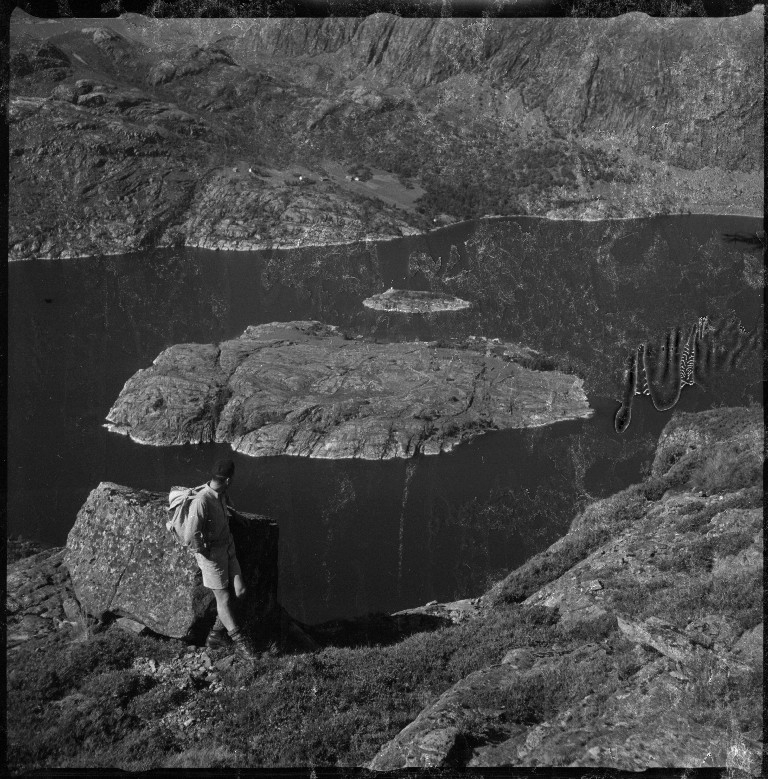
column 208, row 513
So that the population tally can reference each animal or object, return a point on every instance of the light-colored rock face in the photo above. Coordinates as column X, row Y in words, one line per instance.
column 122, row 560
column 301, row 388
column 663, row 616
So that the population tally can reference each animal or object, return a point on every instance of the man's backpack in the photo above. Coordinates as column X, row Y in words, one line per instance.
column 179, row 501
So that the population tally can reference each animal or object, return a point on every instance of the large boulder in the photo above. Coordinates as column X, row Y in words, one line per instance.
column 124, row 562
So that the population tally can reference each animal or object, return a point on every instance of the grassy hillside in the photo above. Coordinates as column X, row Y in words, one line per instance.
column 552, row 651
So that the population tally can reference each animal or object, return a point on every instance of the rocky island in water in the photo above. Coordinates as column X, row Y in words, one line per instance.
column 408, row 301
column 303, row 388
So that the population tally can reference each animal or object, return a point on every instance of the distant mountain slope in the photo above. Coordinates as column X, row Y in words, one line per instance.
column 134, row 132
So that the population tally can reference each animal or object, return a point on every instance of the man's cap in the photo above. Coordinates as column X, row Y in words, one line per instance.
column 223, row 469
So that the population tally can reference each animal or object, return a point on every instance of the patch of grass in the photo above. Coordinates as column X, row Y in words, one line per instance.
column 654, row 488
column 722, row 699
column 341, row 705
column 215, row 756
column 697, row 515
column 152, row 704
column 693, row 557
column 71, row 696
column 591, row 631
column 727, row 458
column 679, row 597
column 539, row 694
column 633, row 597
column 597, row 524
column 726, row 471
column 699, row 553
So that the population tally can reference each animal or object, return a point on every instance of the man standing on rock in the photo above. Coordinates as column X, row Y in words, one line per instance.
column 208, row 517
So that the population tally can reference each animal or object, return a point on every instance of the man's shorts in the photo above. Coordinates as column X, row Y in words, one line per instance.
column 218, row 566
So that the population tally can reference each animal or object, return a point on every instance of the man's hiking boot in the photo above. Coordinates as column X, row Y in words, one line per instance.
column 244, row 646
column 218, row 639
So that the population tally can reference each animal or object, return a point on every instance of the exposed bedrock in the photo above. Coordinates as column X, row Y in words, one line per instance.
column 303, row 388
column 123, row 561
column 659, row 587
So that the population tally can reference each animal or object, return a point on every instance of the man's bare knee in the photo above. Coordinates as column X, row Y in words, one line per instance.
column 239, row 586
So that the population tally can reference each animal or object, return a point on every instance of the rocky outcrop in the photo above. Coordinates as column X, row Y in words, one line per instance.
column 660, row 588
column 124, row 562
column 40, row 598
column 536, row 116
column 407, row 301
column 663, row 105
column 302, row 388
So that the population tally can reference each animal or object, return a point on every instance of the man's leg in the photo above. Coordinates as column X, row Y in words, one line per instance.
column 224, row 605
column 224, row 609
column 238, row 587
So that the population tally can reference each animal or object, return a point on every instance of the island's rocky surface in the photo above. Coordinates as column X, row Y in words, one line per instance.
column 136, row 132
column 303, row 388
column 675, row 565
column 123, row 561
column 408, row 301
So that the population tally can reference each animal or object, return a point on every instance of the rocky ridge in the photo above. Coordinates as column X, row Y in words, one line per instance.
column 303, row 388
column 150, row 123
column 662, row 563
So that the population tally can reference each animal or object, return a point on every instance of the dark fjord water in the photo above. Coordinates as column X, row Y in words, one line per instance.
column 359, row 536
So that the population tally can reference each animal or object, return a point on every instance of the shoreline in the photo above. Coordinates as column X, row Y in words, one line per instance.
column 749, row 213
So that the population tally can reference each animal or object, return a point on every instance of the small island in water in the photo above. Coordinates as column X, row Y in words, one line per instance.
column 412, row 301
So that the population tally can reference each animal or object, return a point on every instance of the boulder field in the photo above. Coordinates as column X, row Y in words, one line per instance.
column 303, row 388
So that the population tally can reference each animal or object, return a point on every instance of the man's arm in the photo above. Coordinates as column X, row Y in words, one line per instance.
column 197, row 522
column 236, row 515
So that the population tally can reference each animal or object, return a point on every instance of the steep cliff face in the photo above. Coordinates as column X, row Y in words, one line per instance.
column 281, row 132
column 686, row 91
